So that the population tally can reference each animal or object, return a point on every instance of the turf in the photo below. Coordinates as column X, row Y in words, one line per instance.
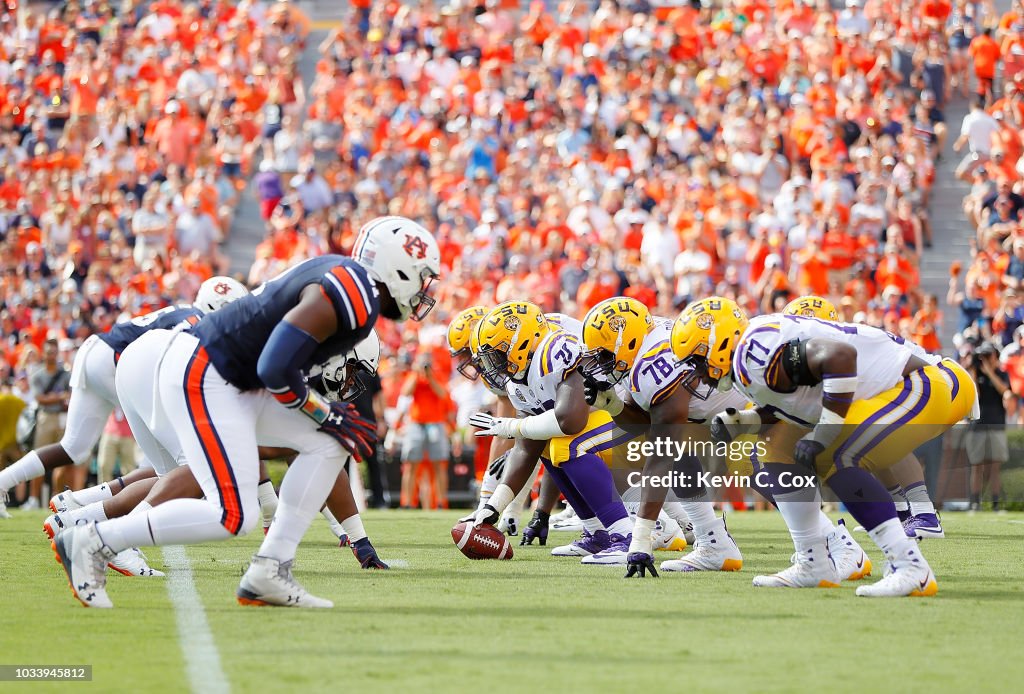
column 441, row 623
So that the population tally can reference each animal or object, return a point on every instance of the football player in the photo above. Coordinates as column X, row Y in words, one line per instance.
column 242, row 370
column 630, row 372
column 868, row 400
column 93, row 397
column 538, row 368
column 336, row 379
column 905, row 480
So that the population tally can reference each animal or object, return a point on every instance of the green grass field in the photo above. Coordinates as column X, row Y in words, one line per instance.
column 443, row 623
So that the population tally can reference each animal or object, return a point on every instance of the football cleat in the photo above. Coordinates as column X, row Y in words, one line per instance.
column 909, row 575
column 616, row 552
column 132, row 562
column 923, row 525
column 3, row 506
column 903, row 515
column 812, row 568
column 269, row 582
column 56, row 522
column 852, row 564
column 584, row 546
column 366, row 555
column 567, row 521
column 668, row 536
column 714, row 551
column 65, row 501
column 80, row 550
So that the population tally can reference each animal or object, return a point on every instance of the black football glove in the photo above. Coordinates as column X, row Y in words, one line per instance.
column 806, row 451
column 537, row 529
column 355, row 433
column 366, row 555
column 638, row 564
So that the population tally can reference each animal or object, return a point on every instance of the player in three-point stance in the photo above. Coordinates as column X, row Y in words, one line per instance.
column 242, row 370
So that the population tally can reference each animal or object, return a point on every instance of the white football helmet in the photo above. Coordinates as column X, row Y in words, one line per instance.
column 403, row 256
column 335, row 378
column 217, row 292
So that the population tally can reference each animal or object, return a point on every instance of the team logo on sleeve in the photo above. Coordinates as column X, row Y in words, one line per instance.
column 415, row 246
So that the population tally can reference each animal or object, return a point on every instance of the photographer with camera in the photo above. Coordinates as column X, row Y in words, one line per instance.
column 986, row 443
column 425, row 434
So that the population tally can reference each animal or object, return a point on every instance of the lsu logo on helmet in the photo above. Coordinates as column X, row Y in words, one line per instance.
column 812, row 306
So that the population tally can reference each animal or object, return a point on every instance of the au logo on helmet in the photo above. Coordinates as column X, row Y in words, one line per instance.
column 415, row 246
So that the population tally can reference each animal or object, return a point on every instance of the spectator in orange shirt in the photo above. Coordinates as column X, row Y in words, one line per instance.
column 425, row 434
column 986, row 53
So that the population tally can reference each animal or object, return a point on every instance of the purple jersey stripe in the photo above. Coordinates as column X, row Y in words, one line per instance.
column 926, row 392
column 586, row 436
column 866, row 424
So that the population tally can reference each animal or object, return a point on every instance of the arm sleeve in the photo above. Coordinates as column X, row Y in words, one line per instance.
column 280, row 368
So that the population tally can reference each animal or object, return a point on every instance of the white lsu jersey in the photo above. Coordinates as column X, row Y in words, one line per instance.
column 556, row 357
column 881, row 358
column 657, row 373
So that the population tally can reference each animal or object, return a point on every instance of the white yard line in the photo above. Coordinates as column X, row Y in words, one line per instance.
column 202, row 661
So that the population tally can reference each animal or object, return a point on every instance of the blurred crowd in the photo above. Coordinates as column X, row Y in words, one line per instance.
column 127, row 132
column 563, row 151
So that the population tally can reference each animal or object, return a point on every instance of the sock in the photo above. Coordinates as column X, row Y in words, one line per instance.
column 701, row 512
column 891, row 538
column 268, row 501
column 623, row 526
column 863, row 495
column 91, row 495
column 28, row 468
column 802, row 513
column 87, row 514
column 631, row 500
column 593, row 481
column 304, row 491
column 917, row 497
column 976, row 500
column 675, row 511
column 353, row 527
column 336, row 527
column 141, row 508
column 825, row 525
column 592, row 524
column 995, row 502
column 898, row 497
column 290, row 524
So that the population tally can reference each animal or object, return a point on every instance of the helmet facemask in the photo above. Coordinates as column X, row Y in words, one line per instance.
column 495, row 365
column 600, row 366
column 465, row 364
column 421, row 303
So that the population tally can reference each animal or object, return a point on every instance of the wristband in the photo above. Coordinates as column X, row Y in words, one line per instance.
column 641, row 542
column 540, row 427
column 501, row 498
column 827, row 429
column 613, row 404
column 315, row 407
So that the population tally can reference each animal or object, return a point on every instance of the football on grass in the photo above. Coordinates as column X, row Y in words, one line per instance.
column 481, row 542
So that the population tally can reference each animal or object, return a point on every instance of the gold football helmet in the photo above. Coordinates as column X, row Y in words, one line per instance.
column 506, row 338
column 705, row 336
column 460, row 330
column 612, row 334
column 812, row 306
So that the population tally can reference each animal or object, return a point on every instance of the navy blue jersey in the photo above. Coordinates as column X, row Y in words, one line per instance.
column 235, row 335
column 123, row 334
